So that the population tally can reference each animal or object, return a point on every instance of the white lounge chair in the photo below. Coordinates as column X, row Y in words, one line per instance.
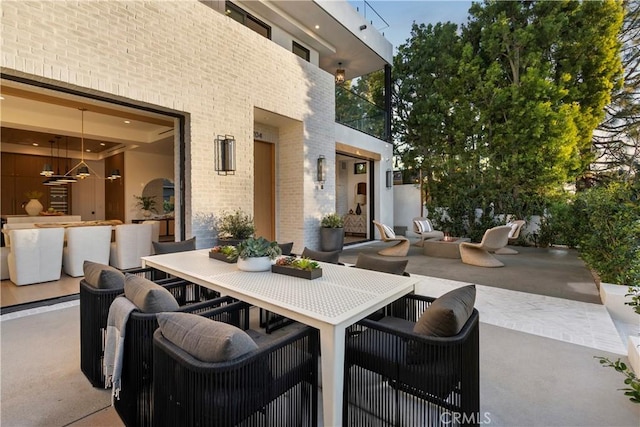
column 516, row 226
column 422, row 227
column 387, row 235
column 85, row 244
column 36, row 255
column 133, row 241
column 478, row 253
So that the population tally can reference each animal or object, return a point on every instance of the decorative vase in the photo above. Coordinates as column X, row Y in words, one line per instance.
column 33, row 207
column 358, row 209
column 262, row 263
column 146, row 213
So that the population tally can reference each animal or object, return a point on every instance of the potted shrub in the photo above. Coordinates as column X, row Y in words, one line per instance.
column 331, row 233
column 256, row 253
column 234, row 227
column 298, row 267
column 147, row 204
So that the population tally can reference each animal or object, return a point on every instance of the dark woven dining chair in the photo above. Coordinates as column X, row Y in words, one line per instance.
column 99, row 287
column 275, row 382
column 134, row 403
column 397, row 376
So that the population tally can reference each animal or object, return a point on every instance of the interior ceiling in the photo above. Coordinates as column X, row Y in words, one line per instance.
column 32, row 117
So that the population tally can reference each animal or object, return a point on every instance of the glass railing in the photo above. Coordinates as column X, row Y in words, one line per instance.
column 358, row 113
column 370, row 14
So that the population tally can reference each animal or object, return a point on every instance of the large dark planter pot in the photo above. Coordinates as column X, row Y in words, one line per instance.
column 331, row 239
column 228, row 242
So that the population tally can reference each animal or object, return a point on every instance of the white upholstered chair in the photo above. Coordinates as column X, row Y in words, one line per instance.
column 478, row 253
column 401, row 248
column 155, row 232
column 132, row 242
column 423, row 228
column 85, row 244
column 36, row 255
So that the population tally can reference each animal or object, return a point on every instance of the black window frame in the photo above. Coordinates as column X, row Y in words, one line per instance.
column 303, row 49
column 248, row 17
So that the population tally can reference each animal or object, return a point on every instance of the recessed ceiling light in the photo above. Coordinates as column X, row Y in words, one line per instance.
column 317, row 27
column 127, row 121
column 103, row 144
column 88, row 150
column 35, row 144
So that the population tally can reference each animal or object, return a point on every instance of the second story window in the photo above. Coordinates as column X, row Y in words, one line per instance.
column 238, row 14
column 301, row 51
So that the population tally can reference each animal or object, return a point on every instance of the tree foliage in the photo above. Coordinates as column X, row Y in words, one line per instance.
column 499, row 114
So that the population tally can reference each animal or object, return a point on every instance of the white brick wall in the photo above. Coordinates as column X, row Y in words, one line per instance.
column 184, row 56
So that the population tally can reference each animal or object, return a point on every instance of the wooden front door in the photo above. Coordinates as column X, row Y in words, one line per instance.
column 264, row 189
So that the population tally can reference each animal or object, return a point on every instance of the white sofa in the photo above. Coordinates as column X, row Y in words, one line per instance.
column 36, row 255
column 85, row 244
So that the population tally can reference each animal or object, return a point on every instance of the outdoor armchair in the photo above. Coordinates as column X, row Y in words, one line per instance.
column 266, row 383
column 516, row 227
column 478, row 253
column 135, row 396
column 422, row 227
column 401, row 248
column 397, row 376
column 97, row 292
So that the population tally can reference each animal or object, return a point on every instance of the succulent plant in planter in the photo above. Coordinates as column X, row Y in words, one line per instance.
column 299, row 267
column 332, row 232
column 256, row 253
column 226, row 253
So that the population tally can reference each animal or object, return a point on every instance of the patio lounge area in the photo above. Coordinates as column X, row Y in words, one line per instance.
column 541, row 318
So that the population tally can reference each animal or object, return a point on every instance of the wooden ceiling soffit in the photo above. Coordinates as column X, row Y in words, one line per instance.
column 357, row 152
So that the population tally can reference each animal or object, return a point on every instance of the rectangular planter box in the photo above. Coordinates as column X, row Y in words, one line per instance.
column 222, row 257
column 304, row 274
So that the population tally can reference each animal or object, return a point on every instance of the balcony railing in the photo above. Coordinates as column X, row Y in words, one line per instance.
column 356, row 112
column 370, row 14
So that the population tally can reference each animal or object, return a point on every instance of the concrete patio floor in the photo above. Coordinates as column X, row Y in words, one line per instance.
column 541, row 326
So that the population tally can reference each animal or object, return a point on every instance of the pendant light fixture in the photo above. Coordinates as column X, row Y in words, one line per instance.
column 340, row 76
column 47, row 169
column 64, row 179
column 51, row 178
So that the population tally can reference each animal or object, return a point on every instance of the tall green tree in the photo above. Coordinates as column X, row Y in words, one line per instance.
column 617, row 139
column 505, row 108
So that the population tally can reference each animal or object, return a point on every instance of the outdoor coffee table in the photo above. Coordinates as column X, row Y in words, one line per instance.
column 441, row 248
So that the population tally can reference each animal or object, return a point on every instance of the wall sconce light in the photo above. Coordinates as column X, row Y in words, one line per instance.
column 339, row 74
column 389, row 178
column 225, row 152
column 322, row 173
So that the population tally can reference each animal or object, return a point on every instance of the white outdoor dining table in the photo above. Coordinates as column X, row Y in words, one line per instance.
column 331, row 303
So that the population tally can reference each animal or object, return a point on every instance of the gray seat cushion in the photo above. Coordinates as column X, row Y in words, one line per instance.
column 171, row 247
column 446, row 316
column 205, row 339
column 102, row 276
column 147, row 296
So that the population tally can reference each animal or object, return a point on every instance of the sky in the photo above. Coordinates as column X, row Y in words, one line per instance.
column 401, row 14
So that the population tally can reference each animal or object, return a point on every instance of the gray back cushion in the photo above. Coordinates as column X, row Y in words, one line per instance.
column 446, row 316
column 286, row 248
column 205, row 339
column 170, row 247
column 102, row 276
column 384, row 265
column 149, row 297
column 331, row 257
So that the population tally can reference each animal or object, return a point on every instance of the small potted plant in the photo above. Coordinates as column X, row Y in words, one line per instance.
column 226, row 253
column 256, row 254
column 234, row 227
column 331, row 233
column 298, row 267
column 147, row 204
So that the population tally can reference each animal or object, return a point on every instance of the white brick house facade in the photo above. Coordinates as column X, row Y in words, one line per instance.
column 188, row 58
